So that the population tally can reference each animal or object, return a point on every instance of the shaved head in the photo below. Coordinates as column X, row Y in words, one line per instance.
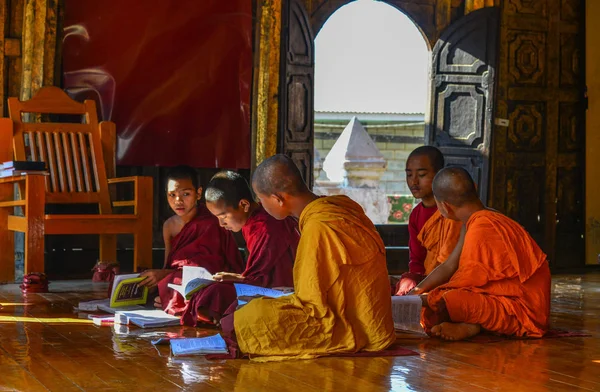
column 436, row 158
column 454, row 186
column 278, row 174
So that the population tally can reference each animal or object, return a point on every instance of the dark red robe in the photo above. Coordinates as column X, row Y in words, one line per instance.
column 201, row 243
column 271, row 246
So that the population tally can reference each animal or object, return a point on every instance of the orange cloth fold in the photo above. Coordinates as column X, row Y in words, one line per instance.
column 502, row 282
column 439, row 236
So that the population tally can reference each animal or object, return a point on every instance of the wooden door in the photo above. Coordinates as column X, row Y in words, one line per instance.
column 539, row 157
column 296, row 88
column 463, row 76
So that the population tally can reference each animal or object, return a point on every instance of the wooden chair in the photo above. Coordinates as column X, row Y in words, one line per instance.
column 81, row 162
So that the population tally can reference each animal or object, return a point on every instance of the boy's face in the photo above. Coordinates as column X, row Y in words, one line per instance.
column 182, row 196
column 230, row 218
column 419, row 176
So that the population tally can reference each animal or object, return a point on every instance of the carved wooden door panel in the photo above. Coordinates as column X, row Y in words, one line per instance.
column 539, row 156
column 463, row 75
column 296, row 88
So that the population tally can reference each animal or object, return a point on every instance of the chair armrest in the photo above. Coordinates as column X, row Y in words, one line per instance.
column 120, row 180
column 139, row 182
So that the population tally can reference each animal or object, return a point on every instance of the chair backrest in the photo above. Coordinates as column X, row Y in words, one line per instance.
column 72, row 151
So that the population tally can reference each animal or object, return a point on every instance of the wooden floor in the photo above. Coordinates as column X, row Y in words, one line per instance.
column 45, row 346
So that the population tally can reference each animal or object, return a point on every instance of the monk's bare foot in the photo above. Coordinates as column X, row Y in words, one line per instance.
column 455, row 331
column 157, row 303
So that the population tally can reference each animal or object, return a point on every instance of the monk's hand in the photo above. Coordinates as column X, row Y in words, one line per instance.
column 228, row 277
column 152, row 277
column 408, row 281
column 416, row 291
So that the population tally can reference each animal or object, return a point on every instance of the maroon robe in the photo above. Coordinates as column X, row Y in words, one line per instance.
column 271, row 246
column 201, row 243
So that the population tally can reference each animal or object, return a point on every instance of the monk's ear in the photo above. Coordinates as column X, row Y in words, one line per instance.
column 244, row 205
column 278, row 198
column 199, row 191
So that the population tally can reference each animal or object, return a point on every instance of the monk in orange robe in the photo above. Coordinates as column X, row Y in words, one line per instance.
column 342, row 302
column 192, row 237
column 439, row 236
column 431, row 236
column 497, row 278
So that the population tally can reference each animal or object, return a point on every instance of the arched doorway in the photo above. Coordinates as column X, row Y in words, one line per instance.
column 463, row 74
column 371, row 86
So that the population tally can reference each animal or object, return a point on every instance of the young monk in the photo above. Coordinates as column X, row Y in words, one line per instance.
column 341, row 302
column 192, row 237
column 271, row 246
column 431, row 236
column 497, row 279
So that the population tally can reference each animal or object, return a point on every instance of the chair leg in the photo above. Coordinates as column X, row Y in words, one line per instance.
column 35, row 228
column 108, row 248
column 142, row 249
column 7, row 238
column 142, row 256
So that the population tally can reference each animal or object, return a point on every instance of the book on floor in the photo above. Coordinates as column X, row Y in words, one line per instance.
column 247, row 290
column 199, row 346
column 193, row 279
column 406, row 312
column 127, row 292
column 146, row 318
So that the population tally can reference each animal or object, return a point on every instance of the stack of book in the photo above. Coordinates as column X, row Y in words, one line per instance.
column 19, row 168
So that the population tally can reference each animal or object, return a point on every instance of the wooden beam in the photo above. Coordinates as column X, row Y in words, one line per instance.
column 3, row 20
column 266, row 107
column 38, row 46
column 12, row 47
column 443, row 16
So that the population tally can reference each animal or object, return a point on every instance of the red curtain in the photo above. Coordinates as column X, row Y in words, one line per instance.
column 174, row 75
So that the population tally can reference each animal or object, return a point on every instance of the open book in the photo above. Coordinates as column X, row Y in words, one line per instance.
column 193, row 279
column 199, row 346
column 147, row 318
column 126, row 292
column 247, row 290
column 406, row 312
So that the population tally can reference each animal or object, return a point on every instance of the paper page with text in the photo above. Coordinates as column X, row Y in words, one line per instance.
column 247, row 290
column 406, row 312
column 207, row 345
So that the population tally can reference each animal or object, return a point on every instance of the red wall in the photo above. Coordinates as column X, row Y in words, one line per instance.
column 174, row 75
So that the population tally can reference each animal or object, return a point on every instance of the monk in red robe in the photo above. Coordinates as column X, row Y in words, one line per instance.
column 271, row 247
column 192, row 237
column 424, row 234
column 497, row 278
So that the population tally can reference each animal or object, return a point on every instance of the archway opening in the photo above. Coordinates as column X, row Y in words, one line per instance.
column 371, row 83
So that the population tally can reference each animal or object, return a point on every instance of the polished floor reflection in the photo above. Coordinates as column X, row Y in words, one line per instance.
column 45, row 346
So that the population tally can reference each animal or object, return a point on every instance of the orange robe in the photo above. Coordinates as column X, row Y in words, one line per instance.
column 342, row 301
column 439, row 236
column 502, row 282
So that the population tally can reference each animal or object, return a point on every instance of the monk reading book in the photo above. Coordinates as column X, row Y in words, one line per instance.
column 341, row 302
column 431, row 236
column 497, row 279
column 271, row 246
column 192, row 237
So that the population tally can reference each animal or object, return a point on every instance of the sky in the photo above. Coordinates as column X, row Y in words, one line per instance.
column 370, row 57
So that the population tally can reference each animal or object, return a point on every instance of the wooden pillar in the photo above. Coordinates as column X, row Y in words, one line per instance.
column 592, row 142
column 266, row 81
column 39, row 46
